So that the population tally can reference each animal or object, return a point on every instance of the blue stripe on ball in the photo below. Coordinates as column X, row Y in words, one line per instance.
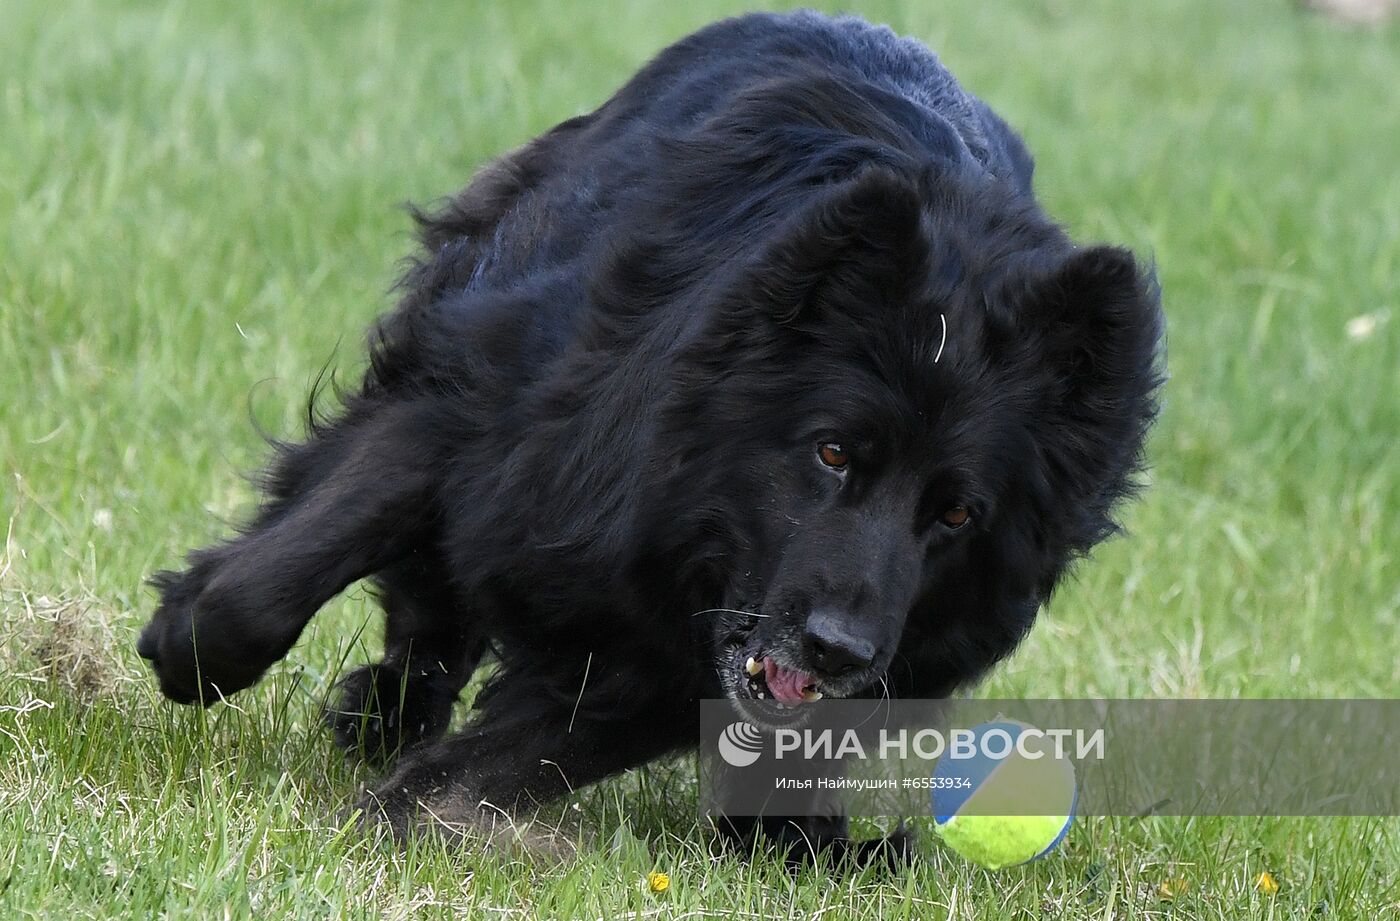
column 947, row 802
column 1073, row 810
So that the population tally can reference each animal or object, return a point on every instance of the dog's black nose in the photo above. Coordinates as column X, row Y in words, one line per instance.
column 834, row 645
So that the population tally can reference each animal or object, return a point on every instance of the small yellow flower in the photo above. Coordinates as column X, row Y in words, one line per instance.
column 1266, row 883
column 659, row 882
column 1173, row 887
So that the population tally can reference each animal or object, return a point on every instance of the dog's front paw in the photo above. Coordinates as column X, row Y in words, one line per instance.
column 419, row 800
column 418, row 794
column 196, row 659
column 382, row 711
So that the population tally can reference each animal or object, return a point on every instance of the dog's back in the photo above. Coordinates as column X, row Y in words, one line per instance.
column 585, row 167
column 790, row 88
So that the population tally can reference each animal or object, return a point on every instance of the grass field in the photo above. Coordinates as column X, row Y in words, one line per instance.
column 198, row 200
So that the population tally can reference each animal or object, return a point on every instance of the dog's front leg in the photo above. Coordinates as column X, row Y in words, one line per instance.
column 345, row 504
column 523, row 750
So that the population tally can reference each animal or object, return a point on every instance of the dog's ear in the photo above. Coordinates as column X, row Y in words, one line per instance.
column 1095, row 322
column 861, row 233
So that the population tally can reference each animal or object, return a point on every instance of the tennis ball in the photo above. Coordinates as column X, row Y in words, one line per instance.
column 1009, row 802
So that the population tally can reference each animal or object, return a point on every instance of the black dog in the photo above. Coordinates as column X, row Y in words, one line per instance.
column 769, row 378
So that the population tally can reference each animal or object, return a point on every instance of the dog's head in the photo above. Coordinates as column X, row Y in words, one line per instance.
column 912, row 408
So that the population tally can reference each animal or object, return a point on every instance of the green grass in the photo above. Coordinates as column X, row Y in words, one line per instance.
column 199, row 199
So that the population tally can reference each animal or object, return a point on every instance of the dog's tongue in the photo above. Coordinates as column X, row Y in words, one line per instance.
column 785, row 683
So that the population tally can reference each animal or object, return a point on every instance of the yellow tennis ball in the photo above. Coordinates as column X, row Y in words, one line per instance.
column 988, row 805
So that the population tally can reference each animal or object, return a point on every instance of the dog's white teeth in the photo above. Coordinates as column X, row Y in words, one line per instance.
column 810, row 695
column 752, row 666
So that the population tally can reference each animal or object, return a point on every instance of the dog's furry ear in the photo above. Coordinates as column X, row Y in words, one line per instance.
column 1097, row 320
column 860, row 233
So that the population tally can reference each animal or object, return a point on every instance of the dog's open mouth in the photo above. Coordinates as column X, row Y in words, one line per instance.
column 765, row 679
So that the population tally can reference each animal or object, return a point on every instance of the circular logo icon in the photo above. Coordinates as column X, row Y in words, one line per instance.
column 740, row 744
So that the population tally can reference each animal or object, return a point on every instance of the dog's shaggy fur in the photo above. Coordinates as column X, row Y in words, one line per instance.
column 768, row 378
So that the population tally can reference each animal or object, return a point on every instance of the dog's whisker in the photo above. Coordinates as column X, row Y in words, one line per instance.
column 729, row 611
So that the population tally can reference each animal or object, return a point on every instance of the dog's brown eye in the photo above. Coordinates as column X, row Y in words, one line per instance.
column 956, row 517
column 833, row 455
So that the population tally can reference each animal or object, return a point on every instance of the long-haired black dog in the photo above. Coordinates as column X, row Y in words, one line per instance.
column 769, row 378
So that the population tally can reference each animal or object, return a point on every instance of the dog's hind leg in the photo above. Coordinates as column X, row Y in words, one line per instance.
column 431, row 647
column 354, row 499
